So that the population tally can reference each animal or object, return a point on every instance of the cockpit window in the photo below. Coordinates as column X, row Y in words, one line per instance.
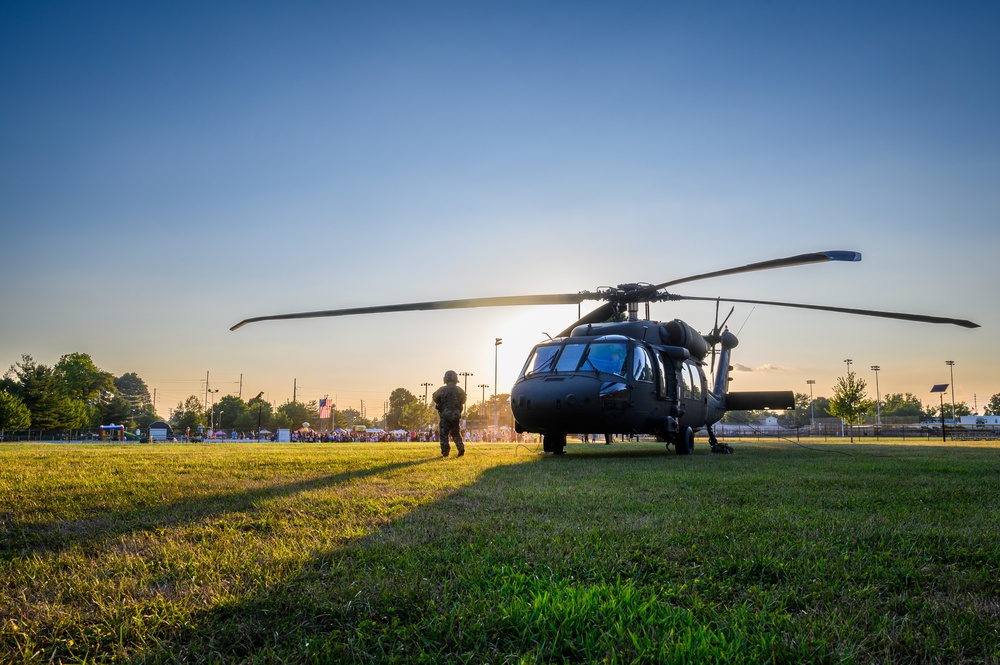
column 692, row 389
column 642, row 365
column 541, row 360
column 570, row 358
column 606, row 357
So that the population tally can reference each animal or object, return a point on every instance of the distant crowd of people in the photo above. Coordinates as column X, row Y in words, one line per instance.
column 382, row 436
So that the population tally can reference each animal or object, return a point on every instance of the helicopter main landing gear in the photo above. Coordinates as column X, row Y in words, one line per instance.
column 554, row 442
column 684, row 441
column 719, row 448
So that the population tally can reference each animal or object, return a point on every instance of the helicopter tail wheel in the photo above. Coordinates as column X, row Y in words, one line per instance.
column 684, row 443
column 554, row 442
column 719, row 448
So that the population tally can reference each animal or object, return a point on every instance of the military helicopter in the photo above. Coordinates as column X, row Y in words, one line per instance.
column 614, row 373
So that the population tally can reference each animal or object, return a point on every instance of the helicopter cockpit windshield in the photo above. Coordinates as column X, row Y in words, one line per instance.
column 605, row 355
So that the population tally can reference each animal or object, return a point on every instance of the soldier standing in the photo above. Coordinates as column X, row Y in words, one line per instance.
column 449, row 400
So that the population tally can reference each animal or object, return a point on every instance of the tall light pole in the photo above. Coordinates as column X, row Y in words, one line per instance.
column 878, row 398
column 812, row 405
column 849, row 361
column 482, row 404
column 465, row 386
column 260, row 406
column 496, row 412
column 212, row 412
column 951, row 367
column 426, row 384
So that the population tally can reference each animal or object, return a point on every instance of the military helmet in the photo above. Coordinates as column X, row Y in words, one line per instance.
column 451, row 376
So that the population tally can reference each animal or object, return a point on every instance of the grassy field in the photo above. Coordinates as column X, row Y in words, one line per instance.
column 388, row 553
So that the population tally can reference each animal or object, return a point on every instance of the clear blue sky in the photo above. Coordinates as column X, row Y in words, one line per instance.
column 168, row 169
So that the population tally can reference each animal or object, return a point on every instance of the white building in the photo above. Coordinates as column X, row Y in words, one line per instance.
column 979, row 420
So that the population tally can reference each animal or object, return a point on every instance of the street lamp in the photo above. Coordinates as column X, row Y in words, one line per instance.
column 211, row 417
column 496, row 351
column 465, row 385
column 951, row 367
column 849, row 361
column 260, row 405
column 812, row 405
column 482, row 404
column 941, row 388
column 878, row 398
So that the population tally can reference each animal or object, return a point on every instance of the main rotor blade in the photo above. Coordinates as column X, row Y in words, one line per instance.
column 801, row 259
column 499, row 301
column 920, row 318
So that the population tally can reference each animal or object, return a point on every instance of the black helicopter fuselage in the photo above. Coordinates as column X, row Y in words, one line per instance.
column 631, row 377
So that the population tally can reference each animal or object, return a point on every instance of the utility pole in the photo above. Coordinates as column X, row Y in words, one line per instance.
column 812, row 405
column 482, row 404
column 951, row 366
column 295, row 389
column 496, row 412
column 878, row 398
column 466, row 386
column 849, row 378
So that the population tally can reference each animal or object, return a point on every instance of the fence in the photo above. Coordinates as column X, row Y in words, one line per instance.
column 838, row 431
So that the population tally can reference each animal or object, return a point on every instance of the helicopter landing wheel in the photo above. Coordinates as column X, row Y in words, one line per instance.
column 554, row 442
column 684, row 441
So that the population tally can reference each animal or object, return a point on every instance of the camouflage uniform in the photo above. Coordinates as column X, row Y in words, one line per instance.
column 449, row 400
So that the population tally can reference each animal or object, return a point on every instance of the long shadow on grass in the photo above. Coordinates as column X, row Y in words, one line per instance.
column 19, row 539
column 425, row 587
column 534, row 562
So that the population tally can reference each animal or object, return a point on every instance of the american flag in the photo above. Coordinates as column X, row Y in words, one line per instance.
column 324, row 408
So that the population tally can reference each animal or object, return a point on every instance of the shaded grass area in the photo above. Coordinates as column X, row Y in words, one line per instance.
column 388, row 553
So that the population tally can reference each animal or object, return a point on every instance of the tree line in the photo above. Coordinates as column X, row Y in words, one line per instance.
column 75, row 394
column 852, row 403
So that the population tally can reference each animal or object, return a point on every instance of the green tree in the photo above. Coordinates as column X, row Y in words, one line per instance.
column 993, row 408
column 83, row 382
column 899, row 406
column 230, row 410
column 821, row 406
column 348, row 418
column 293, row 414
column 14, row 414
column 961, row 409
column 416, row 416
column 400, row 400
column 119, row 410
column 799, row 416
column 849, row 400
column 42, row 392
column 498, row 408
column 188, row 414
column 133, row 390
column 258, row 415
